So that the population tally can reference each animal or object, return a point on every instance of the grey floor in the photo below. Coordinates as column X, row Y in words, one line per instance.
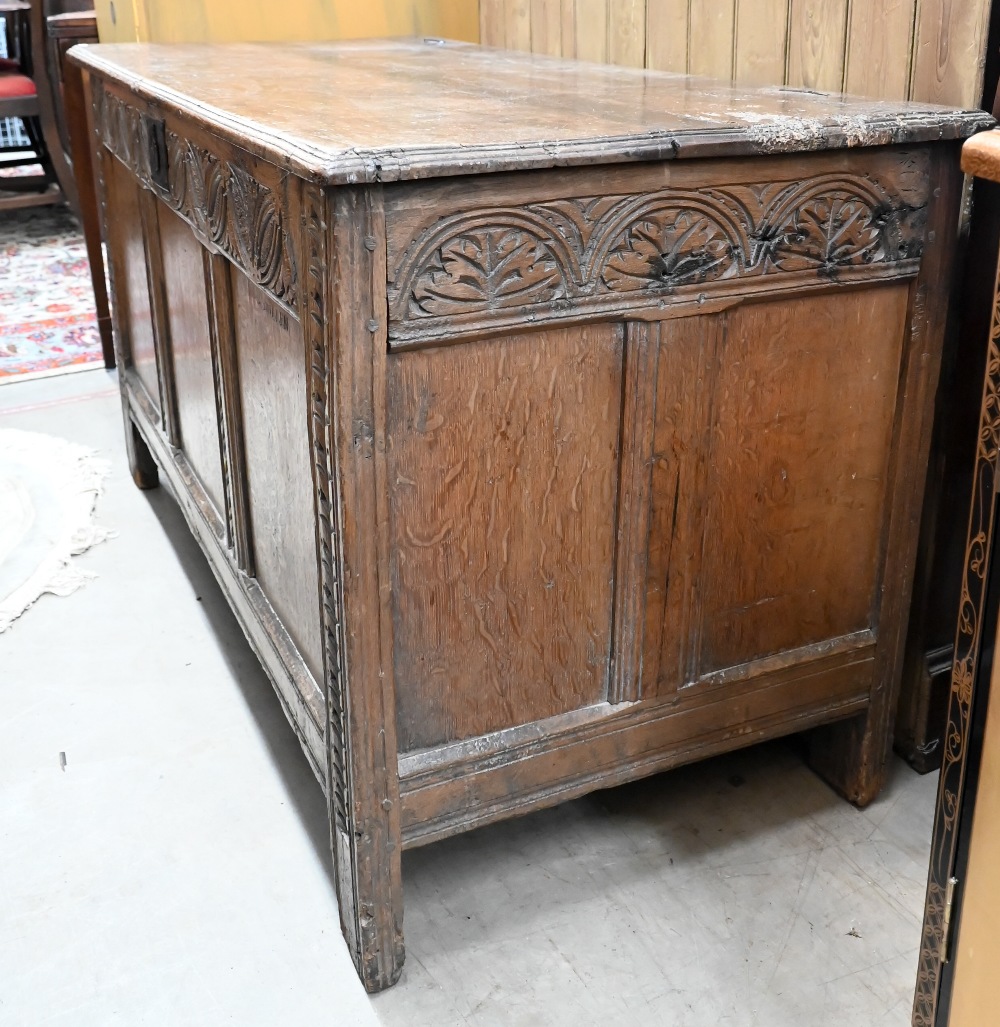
column 175, row 872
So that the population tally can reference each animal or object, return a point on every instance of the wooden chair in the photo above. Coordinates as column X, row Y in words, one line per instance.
column 63, row 31
column 49, row 99
column 19, row 98
column 47, row 79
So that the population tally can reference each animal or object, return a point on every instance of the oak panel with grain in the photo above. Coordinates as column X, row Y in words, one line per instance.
column 350, row 126
column 546, row 26
column 131, row 274
column 521, row 605
column 271, row 370
column 517, row 34
column 190, row 344
column 803, row 408
column 466, row 785
column 626, row 32
column 590, row 28
column 217, row 21
column 949, row 51
column 666, row 35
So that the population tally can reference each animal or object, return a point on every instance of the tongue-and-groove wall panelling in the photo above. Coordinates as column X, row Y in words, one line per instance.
column 218, row 21
column 922, row 49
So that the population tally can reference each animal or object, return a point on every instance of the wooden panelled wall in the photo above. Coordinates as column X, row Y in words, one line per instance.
column 216, row 21
column 922, row 49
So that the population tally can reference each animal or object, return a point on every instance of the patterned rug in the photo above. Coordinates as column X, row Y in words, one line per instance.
column 48, row 323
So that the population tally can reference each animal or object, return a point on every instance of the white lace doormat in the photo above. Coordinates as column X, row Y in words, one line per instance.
column 48, row 489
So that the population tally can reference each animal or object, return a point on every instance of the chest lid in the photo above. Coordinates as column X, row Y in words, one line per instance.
column 393, row 110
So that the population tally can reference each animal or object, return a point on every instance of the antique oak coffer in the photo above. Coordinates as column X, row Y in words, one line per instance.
column 546, row 424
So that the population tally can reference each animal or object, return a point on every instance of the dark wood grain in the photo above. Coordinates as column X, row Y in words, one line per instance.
column 79, row 128
column 459, row 787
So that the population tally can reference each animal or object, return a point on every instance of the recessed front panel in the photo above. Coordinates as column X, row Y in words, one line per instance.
column 271, row 366
column 804, row 407
column 191, row 348
column 502, row 484
column 131, row 276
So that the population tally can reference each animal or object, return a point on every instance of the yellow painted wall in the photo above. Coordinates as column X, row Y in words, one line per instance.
column 173, row 21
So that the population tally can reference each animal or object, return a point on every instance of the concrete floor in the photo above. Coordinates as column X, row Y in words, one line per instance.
column 175, row 872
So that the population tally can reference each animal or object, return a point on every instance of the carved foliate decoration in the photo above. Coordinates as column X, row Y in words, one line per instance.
column 670, row 248
column 223, row 201
column 968, row 642
column 486, row 267
column 588, row 251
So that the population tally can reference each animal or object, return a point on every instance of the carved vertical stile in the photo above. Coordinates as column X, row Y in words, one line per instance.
column 321, row 396
column 343, row 333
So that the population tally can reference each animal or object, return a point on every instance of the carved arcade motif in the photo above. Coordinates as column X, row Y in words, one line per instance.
column 546, row 255
column 222, row 200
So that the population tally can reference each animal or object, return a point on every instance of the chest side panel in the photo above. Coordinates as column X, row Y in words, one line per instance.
column 204, row 243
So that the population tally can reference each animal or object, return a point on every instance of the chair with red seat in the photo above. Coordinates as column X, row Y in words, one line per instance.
column 22, row 96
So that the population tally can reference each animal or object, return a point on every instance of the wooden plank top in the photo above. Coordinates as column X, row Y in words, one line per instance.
column 389, row 110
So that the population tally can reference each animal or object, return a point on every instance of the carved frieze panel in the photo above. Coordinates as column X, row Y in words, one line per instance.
column 582, row 253
column 222, row 200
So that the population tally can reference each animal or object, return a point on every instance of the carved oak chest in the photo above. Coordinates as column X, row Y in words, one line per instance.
column 547, row 425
